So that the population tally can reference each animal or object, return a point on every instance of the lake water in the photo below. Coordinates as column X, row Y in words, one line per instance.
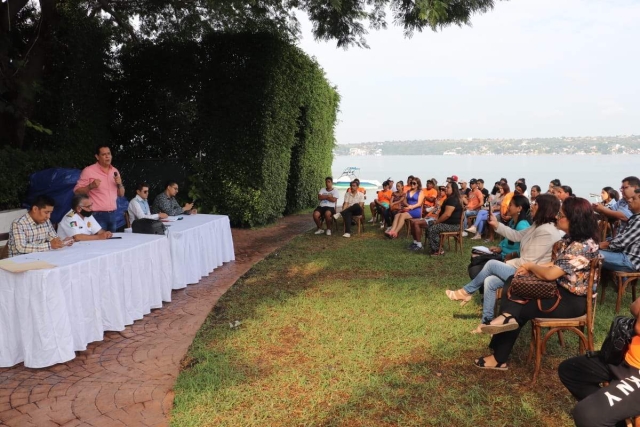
column 583, row 173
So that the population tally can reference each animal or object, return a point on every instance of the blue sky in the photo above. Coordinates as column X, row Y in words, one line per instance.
column 529, row 68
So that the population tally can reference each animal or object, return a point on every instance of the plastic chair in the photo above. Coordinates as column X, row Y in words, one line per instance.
column 576, row 325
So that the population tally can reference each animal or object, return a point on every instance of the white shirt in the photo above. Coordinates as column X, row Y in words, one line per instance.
column 351, row 199
column 137, row 212
column 74, row 223
column 326, row 203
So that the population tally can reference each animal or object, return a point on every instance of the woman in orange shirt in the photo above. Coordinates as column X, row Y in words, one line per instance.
column 382, row 203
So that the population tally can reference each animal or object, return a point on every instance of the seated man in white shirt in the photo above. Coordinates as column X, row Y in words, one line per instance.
column 79, row 223
column 139, row 205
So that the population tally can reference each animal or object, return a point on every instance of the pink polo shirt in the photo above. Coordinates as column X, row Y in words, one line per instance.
column 104, row 197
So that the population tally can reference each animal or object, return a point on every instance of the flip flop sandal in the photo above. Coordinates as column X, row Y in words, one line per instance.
column 480, row 363
column 506, row 326
column 440, row 253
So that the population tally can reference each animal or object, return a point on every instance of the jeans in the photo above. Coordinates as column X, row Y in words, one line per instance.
column 492, row 268
column 481, row 220
column 468, row 214
column 617, row 261
column 491, row 286
column 107, row 220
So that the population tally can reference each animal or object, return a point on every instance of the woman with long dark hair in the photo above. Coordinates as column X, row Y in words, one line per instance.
column 449, row 219
column 570, row 271
column 412, row 208
column 536, row 244
column 610, row 198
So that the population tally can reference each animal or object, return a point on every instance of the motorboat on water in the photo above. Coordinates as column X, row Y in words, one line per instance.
column 351, row 173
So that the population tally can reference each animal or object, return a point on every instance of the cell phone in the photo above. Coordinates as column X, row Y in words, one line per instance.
column 114, row 237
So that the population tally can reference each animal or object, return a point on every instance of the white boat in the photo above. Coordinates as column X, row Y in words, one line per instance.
column 349, row 174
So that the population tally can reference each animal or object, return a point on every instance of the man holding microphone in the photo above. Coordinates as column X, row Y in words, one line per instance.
column 103, row 184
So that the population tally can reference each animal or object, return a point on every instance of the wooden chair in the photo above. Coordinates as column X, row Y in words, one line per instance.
column 455, row 235
column 334, row 223
column 127, row 220
column 621, row 280
column 4, row 251
column 576, row 325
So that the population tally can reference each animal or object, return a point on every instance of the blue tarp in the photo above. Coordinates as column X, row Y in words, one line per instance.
column 58, row 183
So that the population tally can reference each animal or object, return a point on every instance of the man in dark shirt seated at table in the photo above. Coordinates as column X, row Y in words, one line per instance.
column 33, row 231
column 166, row 202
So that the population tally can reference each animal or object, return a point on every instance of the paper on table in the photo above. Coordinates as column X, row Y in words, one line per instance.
column 21, row 267
column 171, row 219
column 481, row 249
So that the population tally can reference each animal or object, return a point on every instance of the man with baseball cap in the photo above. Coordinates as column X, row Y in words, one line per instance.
column 476, row 199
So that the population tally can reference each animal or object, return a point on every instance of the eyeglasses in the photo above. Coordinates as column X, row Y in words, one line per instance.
column 414, row 183
column 560, row 215
column 145, row 191
column 624, row 187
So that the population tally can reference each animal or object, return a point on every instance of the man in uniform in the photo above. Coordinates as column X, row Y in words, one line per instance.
column 80, row 223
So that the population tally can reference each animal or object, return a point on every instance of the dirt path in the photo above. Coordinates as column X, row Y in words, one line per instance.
column 127, row 379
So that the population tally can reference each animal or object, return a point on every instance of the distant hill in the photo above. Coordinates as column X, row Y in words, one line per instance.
column 627, row 144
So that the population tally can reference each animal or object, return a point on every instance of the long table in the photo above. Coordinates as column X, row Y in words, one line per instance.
column 199, row 244
column 97, row 286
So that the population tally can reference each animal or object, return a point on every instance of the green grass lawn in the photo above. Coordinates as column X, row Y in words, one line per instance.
column 359, row 332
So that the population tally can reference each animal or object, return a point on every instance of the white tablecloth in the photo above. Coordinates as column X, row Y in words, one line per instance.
column 199, row 244
column 46, row 315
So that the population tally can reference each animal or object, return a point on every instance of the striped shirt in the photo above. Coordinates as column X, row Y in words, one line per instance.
column 628, row 241
column 26, row 236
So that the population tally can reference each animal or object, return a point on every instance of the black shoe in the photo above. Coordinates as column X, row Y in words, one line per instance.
column 415, row 248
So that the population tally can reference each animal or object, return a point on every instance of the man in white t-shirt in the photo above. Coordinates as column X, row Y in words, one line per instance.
column 352, row 206
column 79, row 223
column 327, row 207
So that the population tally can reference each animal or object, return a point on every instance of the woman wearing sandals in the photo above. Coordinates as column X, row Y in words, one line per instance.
column 536, row 243
column 570, row 270
column 414, row 202
column 449, row 220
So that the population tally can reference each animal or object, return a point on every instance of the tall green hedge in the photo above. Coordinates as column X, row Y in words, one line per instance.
column 268, row 115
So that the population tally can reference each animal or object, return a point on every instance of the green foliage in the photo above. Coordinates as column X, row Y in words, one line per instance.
column 267, row 117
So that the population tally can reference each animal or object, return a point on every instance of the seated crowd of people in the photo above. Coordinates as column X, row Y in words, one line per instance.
column 550, row 236
column 93, row 210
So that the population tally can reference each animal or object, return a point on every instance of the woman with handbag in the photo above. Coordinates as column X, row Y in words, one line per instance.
column 567, row 276
column 536, row 243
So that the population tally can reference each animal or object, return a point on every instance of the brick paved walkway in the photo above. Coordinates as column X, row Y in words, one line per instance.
column 127, row 378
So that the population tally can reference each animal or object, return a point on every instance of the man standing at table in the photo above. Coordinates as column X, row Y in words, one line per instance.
column 103, row 184
column 139, row 205
column 33, row 231
column 80, row 224
column 166, row 202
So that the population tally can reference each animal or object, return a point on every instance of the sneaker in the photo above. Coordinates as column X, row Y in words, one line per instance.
column 415, row 247
column 346, row 235
column 328, row 232
column 465, row 234
column 388, row 229
column 476, row 237
column 381, row 226
column 319, row 231
column 372, row 220
column 336, row 216
column 472, row 229
column 411, row 246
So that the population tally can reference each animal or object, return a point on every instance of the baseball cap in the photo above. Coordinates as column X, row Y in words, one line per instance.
column 473, row 181
column 454, row 178
column 463, row 182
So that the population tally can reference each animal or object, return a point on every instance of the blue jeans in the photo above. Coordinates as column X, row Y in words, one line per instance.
column 492, row 268
column 107, row 220
column 481, row 220
column 616, row 261
column 468, row 214
column 491, row 286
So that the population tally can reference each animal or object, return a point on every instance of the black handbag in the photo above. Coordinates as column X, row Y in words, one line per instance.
column 617, row 342
column 477, row 264
column 148, row 226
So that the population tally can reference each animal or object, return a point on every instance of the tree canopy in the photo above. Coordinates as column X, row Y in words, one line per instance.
column 28, row 31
